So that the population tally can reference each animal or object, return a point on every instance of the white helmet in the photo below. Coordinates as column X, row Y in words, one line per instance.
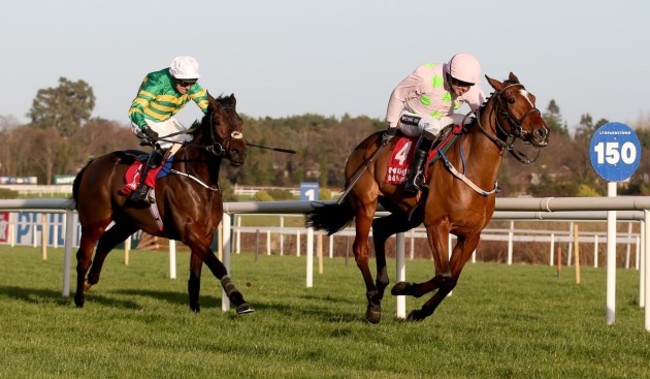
column 464, row 67
column 184, row 67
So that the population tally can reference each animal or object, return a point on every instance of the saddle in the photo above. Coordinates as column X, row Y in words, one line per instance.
column 399, row 164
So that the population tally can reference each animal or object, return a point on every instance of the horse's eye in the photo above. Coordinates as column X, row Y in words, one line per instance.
column 511, row 100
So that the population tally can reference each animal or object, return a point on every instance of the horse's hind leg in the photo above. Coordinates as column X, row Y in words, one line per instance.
column 362, row 223
column 113, row 236
column 382, row 229
column 89, row 236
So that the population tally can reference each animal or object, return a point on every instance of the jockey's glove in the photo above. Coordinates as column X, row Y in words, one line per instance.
column 151, row 134
column 388, row 135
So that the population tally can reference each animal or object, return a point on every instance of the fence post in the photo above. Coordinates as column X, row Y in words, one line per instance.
column 510, row 237
column 552, row 252
column 595, row 250
column 400, row 275
column 226, row 221
column 67, row 251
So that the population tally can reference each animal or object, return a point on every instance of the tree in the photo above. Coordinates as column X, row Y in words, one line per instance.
column 7, row 123
column 553, row 119
column 64, row 108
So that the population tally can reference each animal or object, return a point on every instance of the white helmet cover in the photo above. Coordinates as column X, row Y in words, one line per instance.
column 184, row 67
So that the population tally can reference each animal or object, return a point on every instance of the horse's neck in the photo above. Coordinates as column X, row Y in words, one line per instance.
column 483, row 157
column 199, row 163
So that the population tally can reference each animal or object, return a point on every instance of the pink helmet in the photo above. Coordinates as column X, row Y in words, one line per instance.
column 464, row 67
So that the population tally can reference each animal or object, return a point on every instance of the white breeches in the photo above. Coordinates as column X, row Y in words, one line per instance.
column 429, row 124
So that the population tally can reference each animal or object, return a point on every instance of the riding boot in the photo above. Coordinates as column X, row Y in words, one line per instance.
column 141, row 195
column 415, row 181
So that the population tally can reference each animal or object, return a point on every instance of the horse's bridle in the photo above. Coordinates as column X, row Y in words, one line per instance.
column 516, row 129
column 216, row 147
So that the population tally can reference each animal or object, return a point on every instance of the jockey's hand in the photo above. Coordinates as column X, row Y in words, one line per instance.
column 388, row 136
column 151, row 134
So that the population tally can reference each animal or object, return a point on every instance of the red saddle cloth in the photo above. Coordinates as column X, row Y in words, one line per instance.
column 399, row 165
column 133, row 174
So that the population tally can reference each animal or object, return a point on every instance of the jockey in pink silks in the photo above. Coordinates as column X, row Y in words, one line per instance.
column 424, row 103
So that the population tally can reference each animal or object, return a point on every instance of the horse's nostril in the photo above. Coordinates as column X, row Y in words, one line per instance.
column 540, row 133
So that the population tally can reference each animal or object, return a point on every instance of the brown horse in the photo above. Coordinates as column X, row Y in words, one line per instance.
column 189, row 202
column 460, row 203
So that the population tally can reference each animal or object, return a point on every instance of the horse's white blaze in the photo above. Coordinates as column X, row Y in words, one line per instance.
column 525, row 94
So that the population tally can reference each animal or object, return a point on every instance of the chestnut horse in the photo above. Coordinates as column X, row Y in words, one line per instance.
column 188, row 200
column 460, row 203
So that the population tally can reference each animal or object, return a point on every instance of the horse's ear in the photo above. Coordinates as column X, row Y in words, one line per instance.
column 497, row 85
column 213, row 102
column 233, row 100
column 513, row 78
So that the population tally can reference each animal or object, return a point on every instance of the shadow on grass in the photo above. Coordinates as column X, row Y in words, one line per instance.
column 321, row 312
column 40, row 296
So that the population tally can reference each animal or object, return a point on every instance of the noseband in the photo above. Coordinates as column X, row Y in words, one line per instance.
column 217, row 148
column 516, row 129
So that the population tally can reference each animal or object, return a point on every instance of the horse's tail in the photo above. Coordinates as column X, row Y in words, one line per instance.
column 330, row 217
column 76, row 184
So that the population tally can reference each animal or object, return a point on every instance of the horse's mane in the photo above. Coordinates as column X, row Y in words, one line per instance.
column 485, row 103
column 224, row 101
column 507, row 82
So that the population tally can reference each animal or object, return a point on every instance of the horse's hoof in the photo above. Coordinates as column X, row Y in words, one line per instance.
column 373, row 317
column 195, row 308
column 79, row 303
column 244, row 308
column 400, row 288
column 414, row 316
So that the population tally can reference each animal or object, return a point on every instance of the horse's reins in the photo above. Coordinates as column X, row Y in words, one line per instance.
column 215, row 148
column 357, row 175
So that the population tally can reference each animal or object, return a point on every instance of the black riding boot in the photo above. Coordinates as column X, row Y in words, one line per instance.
column 141, row 195
column 415, row 182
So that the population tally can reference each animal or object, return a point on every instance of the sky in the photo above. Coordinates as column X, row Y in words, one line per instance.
column 291, row 57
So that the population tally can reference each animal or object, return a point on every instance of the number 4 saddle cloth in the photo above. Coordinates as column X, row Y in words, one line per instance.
column 399, row 165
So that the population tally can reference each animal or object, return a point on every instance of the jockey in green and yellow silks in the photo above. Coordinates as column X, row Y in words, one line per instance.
column 161, row 95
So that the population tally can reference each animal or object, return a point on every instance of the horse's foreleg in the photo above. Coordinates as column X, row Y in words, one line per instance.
column 201, row 250
column 194, row 282
column 437, row 236
column 107, row 242
column 220, row 272
column 461, row 254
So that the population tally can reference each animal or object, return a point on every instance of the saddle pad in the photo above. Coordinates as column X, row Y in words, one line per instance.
column 399, row 165
column 132, row 175
column 400, row 160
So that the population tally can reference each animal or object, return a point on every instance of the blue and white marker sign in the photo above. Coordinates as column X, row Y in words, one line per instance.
column 615, row 152
column 308, row 191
